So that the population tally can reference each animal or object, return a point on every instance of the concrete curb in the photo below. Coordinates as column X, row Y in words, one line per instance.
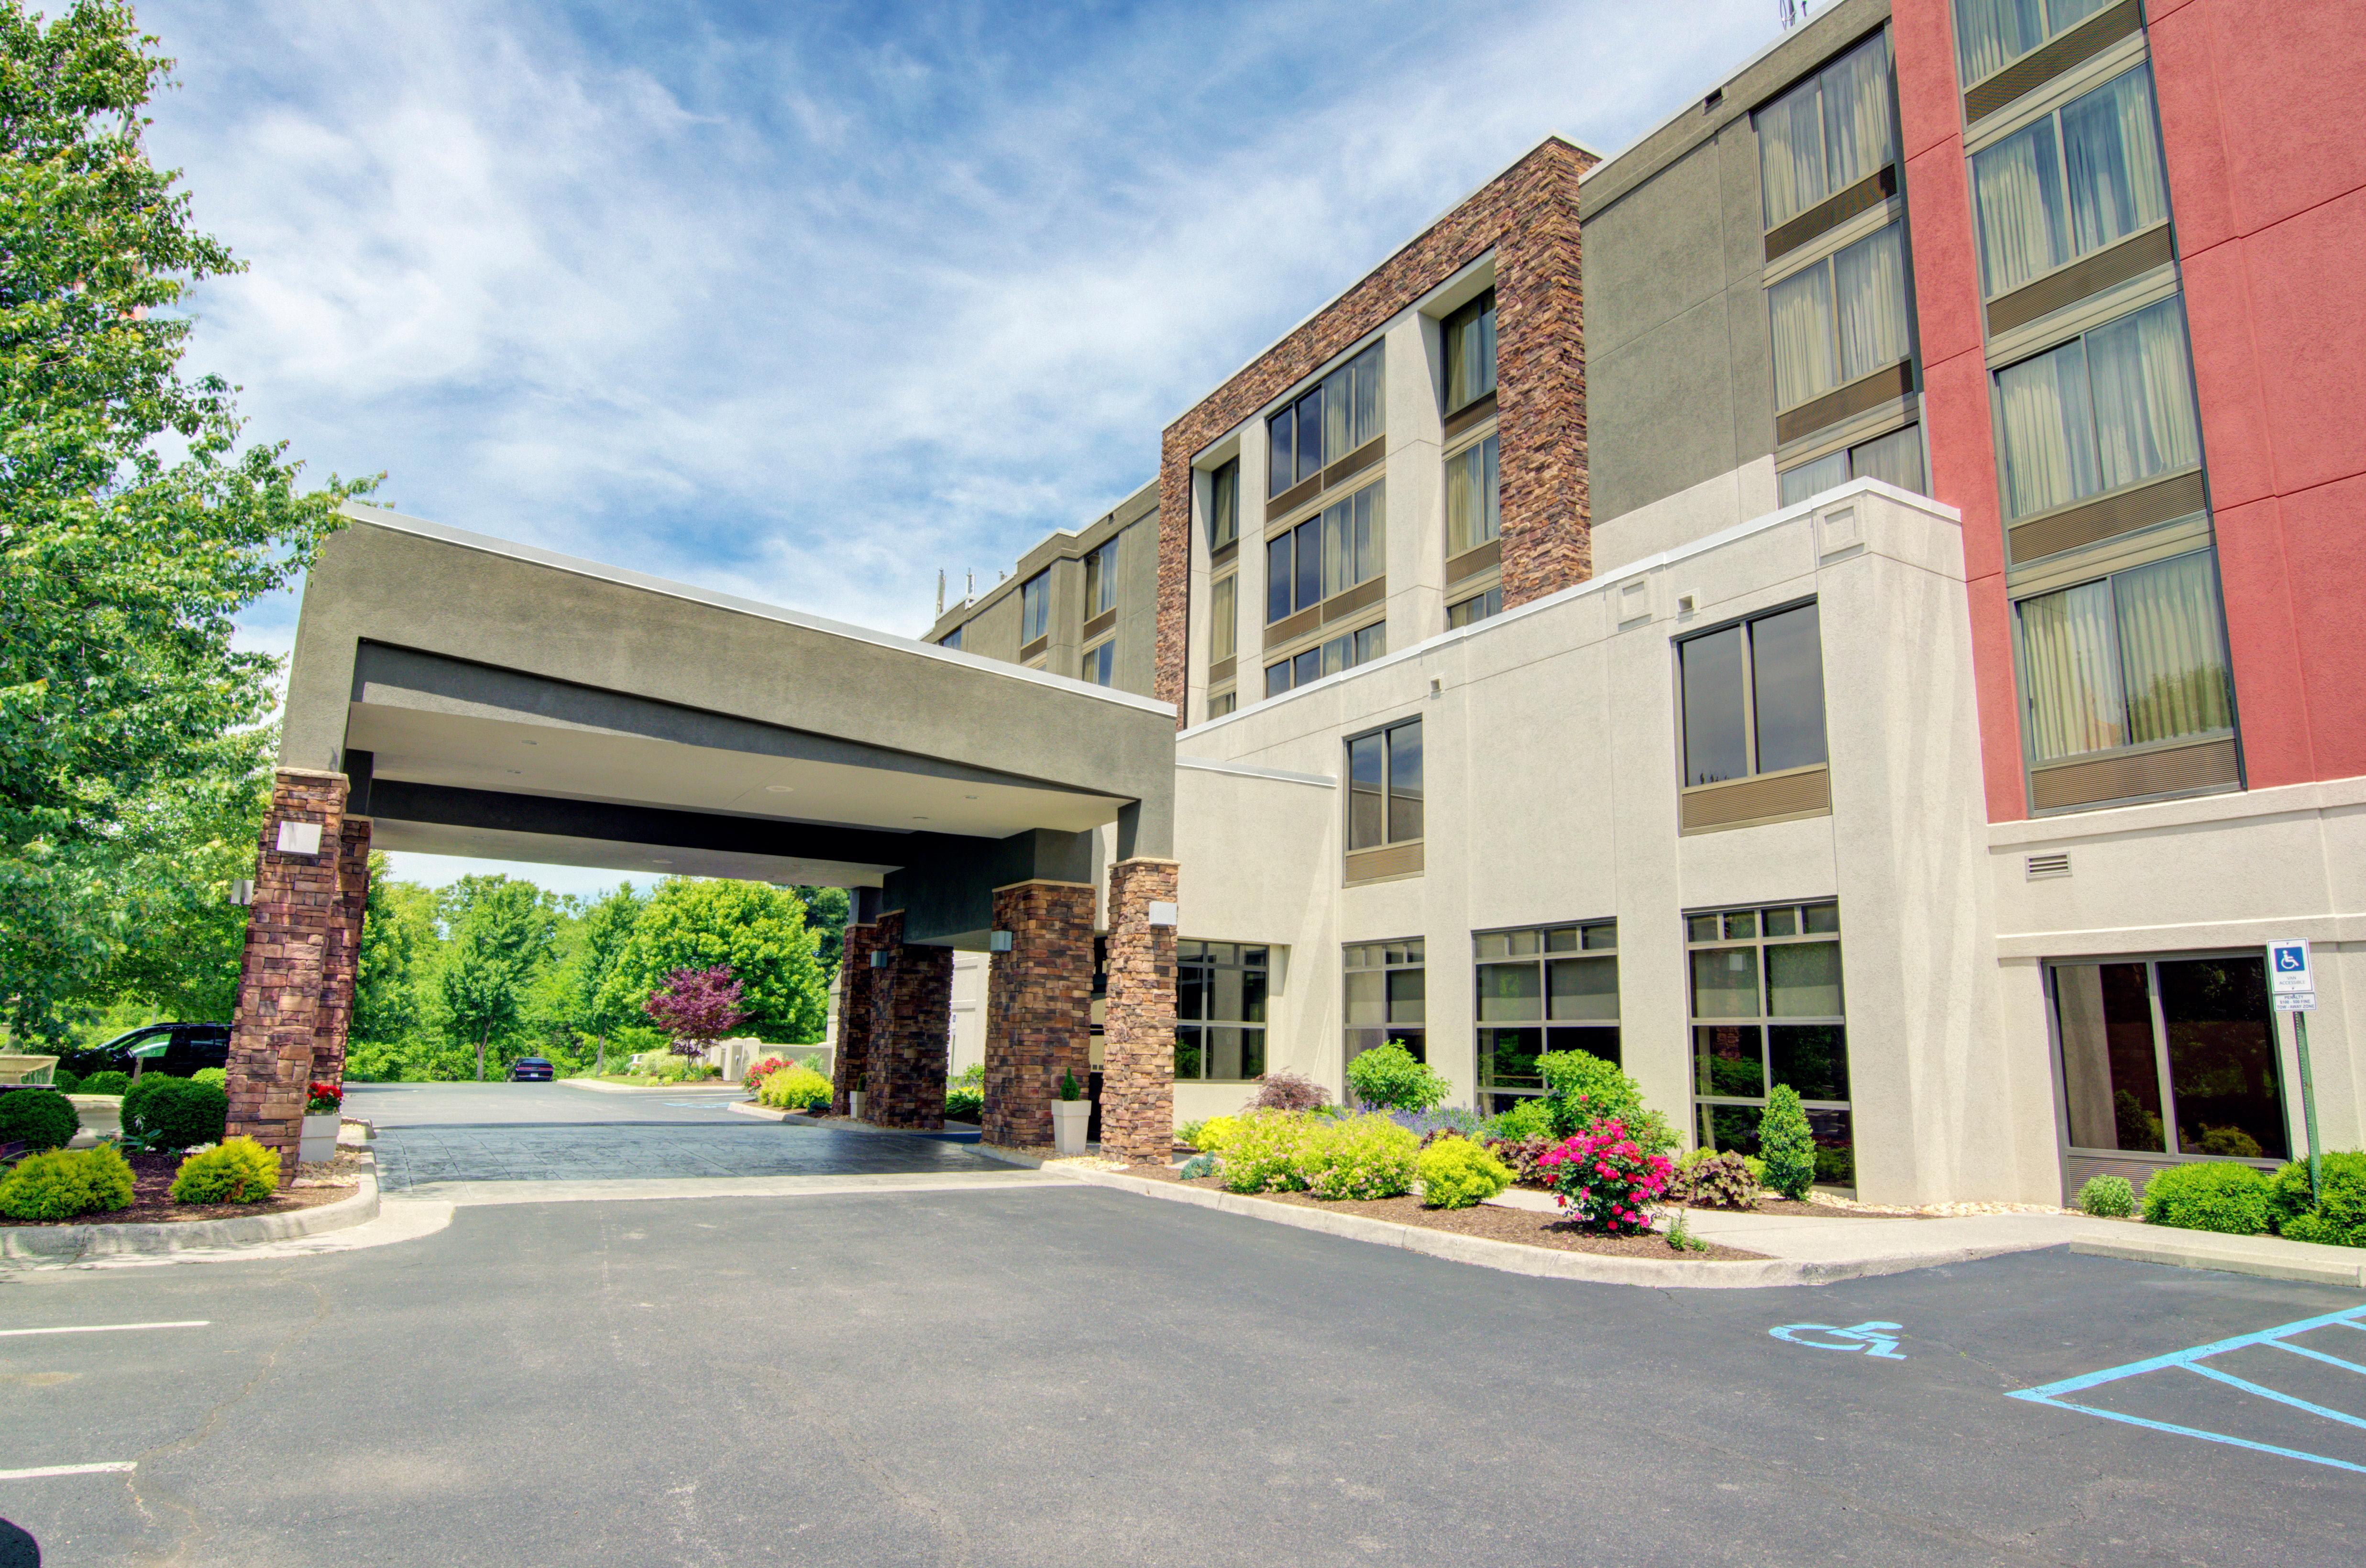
column 749, row 1108
column 1537, row 1261
column 2266, row 1257
column 684, row 1088
column 56, row 1243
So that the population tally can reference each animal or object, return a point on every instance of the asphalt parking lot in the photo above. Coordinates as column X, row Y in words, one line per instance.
column 1073, row 1375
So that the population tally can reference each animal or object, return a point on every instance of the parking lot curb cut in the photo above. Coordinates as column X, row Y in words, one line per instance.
column 1542, row 1262
column 749, row 1108
column 56, row 1243
column 2268, row 1257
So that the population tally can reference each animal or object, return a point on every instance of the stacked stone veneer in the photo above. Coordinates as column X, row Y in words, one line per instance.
column 340, row 963
column 1138, row 1021
column 854, row 985
column 911, row 1030
column 1527, row 216
column 303, row 935
column 1039, row 1002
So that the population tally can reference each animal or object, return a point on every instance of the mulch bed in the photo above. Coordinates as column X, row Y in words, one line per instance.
column 1522, row 1225
column 151, row 1199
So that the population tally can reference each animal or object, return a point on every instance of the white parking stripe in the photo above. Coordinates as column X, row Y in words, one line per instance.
column 40, row 1470
column 108, row 1327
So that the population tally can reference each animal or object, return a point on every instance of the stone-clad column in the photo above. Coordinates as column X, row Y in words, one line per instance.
column 854, row 973
column 283, row 974
column 911, row 1025
column 1138, row 1027
column 341, row 963
column 1039, row 1004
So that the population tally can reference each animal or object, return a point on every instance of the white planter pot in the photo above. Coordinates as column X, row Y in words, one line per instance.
column 1070, row 1119
column 320, row 1138
column 854, row 1103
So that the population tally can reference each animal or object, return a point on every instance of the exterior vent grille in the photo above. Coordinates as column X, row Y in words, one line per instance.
column 2041, row 866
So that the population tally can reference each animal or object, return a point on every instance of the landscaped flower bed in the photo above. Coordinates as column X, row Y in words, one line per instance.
column 152, row 1202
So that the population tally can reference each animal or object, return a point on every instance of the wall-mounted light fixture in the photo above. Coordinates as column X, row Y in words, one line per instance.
column 997, row 942
column 300, row 837
column 1161, row 913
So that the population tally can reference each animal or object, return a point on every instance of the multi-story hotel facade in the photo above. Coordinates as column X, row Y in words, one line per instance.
column 1860, row 591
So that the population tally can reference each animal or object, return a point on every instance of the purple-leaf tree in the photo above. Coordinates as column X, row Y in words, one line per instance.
column 697, row 1007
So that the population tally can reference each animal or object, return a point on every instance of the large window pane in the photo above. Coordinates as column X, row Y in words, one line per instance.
column 1309, row 563
column 2111, row 157
column 1310, row 434
column 1814, row 478
column 1190, row 1056
column 1371, row 532
column 2172, row 659
column 1725, row 983
column 1800, row 314
column 1471, row 352
column 1367, row 998
column 1582, row 987
column 1716, row 732
column 1855, row 90
column 2017, row 193
column 1991, row 34
column 1408, row 996
column 2222, row 1057
column 1507, row 1058
column 2070, row 673
column 1036, row 607
column 1278, row 575
column 1281, row 446
column 2048, row 431
column 1787, row 665
column 1473, row 508
column 2142, row 396
column 1791, row 154
column 1810, row 1057
column 1803, row 980
column 1893, row 460
column 1405, row 781
column 1224, row 505
column 1224, row 618
column 2110, row 1077
column 1510, row 993
column 1728, row 1061
column 1367, row 783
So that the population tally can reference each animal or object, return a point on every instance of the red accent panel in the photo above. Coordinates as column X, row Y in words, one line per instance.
column 2264, row 643
column 1923, row 44
column 1947, row 312
column 2326, row 549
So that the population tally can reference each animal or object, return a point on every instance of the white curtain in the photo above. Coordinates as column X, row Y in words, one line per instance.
column 1814, row 478
column 2144, row 395
column 1869, row 297
column 1791, row 154
column 1801, row 308
column 1471, row 502
column 2049, row 435
column 1990, row 34
column 2111, row 159
column 1895, row 459
column 2172, row 655
column 1857, row 119
column 2017, row 192
column 1224, row 624
column 2069, row 668
column 1371, row 532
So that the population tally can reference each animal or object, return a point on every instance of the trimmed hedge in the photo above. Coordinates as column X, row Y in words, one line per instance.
column 1356, row 1157
column 1456, row 1173
column 2110, row 1197
column 1786, row 1144
column 64, row 1183
column 43, row 1118
column 105, row 1083
column 236, row 1171
column 2231, row 1200
column 2338, row 1218
column 176, row 1113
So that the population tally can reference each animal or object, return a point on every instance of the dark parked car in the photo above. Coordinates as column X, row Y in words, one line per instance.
column 188, row 1048
column 531, row 1069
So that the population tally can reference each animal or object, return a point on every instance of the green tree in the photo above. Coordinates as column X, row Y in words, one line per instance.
column 133, row 526
column 1786, row 1143
column 398, row 951
column 827, row 911
column 181, row 959
column 758, row 932
column 603, row 936
column 501, row 932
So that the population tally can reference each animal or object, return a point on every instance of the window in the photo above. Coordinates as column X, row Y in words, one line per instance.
column 1895, row 459
column 1475, row 510
column 1469, row 336
column 2185, row 1043
column 1219, row 993
column 2111, row 407
column 1344, row 652
column 1224, row 619
column 1384, row 786
column 1753, row 698
column 1344, row 545
column 1387, row 996
column 2133, row 659
column 1338, row 416
column 1767, row 1010
column 1992, row 34
column 1100, row 663
column 1222, row 703
column 1036, row 607
column 1827, row 134
column 1224, row 504
column 1840, row 317
column 1478, row 607
column 1550, row 989
column 951, row 639
column 1100, row 579
column 2074, row 182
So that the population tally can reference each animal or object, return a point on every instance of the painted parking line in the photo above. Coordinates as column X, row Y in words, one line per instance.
column 108, row 1327
column 108, row 1467
column 1876, row 1338
column 2053, row 1393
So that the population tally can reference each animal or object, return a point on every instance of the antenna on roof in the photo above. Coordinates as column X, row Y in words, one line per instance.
column 1793, row 12
column 969, row 592
column 940, row 591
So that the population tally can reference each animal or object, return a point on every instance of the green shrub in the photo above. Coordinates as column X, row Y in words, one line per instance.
column 1456, row 1173
column 1716, row 1180
column 1210, row 1136
column 1388, row 1079
column 1584, row 1088
column 1187, row 1133
column 174, row 1113
column 1199, row 1165
column 1357, row 1156
column 964, row 1104
column 2229, row 1198
column 1786, row 1143
column 2338, row 1219
column 238, row 1170
column 43, row 1118
column 214, row 1075
column 1262, row 1150
column 105, row 1083
column 2108, row 1196
column 1528, row 1119
column 64, row 1082
column 795, row 1088
column 63, row 1183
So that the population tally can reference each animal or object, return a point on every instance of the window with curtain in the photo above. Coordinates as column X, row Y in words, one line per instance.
column 1840, row 317
column 2133, row 659
column 2110, row 408
column 2079, row 179
column 1478, row 607
column 1036, row 607
column 1895, row 459
column 1469, row 336
column 1344, row 545
column 1342, row 652
column 1100, row 579
column 1223, row 618
column 1224, row 504
column 1753, row 696
column 1222, row 703
column 1474, row 498
column 1992, row 34
column 1827, row 134
column 1337, row 415
column 1384, row 794
column 1100, row 663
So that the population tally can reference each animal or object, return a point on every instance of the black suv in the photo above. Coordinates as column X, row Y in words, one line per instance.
column 528, row 1069
column 188, row 1048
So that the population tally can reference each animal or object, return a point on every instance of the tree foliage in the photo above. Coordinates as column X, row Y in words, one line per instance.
column 757, row 932
column 697, row 1007
column 133, row 524
column 501, row 932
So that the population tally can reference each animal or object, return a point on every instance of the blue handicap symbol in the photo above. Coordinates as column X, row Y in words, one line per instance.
column 1873, row 1338
column 2288, row 961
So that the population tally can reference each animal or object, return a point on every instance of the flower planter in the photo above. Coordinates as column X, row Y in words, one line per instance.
column 1070, row 1120
column 319, row 1142
column 854, row 1103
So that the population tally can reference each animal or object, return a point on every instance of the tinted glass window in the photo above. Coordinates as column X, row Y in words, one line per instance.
column 1787, row 680
column 1715, row 745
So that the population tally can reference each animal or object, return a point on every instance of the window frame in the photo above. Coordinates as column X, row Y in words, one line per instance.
column 1477, row 314
column 2052, row 116
column 1224, row 504
column 1827, row 262
column 1036, row 607
column 1491, row 497
column 1765, row 1019
column 1353, row 653
column 1490, row 600
column 1097, row 665
column 1311, row 409
column 951, row 639
column 1814, row 82
column 1223, row 630
column 1542, row 959
column 1100, row 577
column 1749, row 694
column 1996, row 373
column 1847, row 453
column 1312, row 533
column 1185, row 957
column 1389, row 1029
column 2048, row 32
column 1389, row 837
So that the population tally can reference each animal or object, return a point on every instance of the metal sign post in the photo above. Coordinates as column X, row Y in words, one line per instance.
column 2294, row 987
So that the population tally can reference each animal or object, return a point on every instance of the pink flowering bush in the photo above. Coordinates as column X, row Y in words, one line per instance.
column 1604, row 1181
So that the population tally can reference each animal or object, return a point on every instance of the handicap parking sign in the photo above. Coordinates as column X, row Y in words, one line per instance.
column 2289, row 978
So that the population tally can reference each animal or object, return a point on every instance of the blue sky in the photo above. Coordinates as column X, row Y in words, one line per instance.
column 808, row 302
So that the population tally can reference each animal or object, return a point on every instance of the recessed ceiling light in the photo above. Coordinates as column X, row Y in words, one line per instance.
column 529, row 742
column 969, row 798
column 920, row 819
column 514, row 770
column 660, row 863
column 780, row 789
